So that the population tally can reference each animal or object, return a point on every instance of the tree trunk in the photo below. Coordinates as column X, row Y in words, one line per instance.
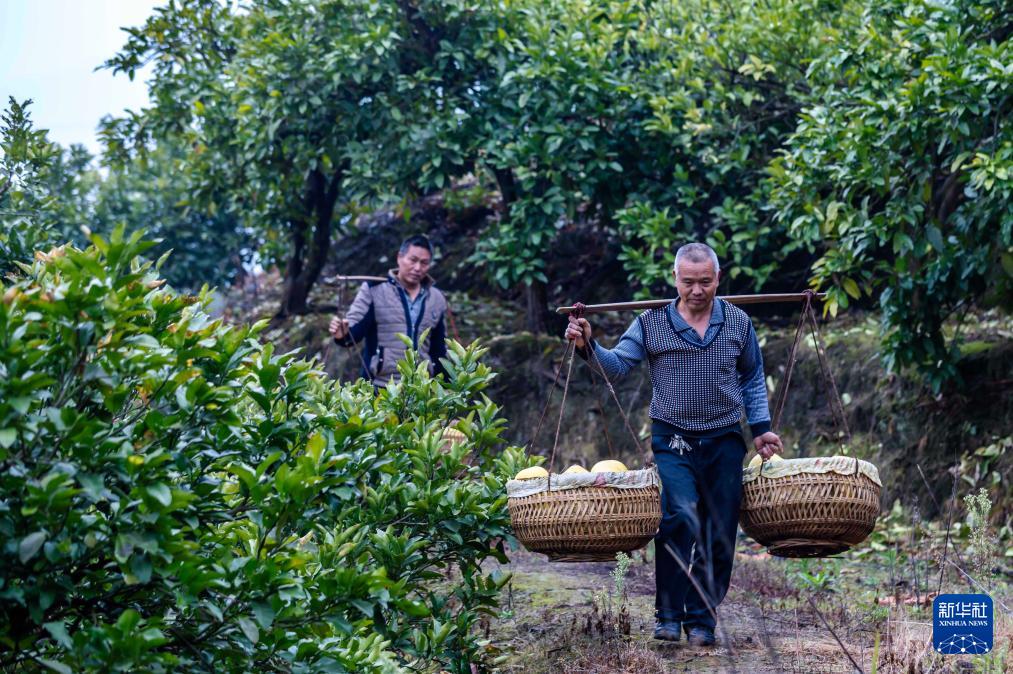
column 537, row 303
column 306, row 259
column 535, row 296
column 507, row 188
column 950, row 196
column 293, row 295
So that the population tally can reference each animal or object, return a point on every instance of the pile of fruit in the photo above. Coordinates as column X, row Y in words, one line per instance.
column 613, row 466
column 607, row 466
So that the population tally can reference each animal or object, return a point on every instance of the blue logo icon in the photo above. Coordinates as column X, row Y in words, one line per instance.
column 962, row 624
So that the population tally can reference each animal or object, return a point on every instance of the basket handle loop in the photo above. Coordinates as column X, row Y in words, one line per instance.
column 808, row 315
column 571, row 348
column 593, row 357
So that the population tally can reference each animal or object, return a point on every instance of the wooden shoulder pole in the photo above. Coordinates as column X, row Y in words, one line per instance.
column 652, row 304
column 334, row 280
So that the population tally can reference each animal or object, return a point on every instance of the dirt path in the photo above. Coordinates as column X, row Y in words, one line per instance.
column 545, row 623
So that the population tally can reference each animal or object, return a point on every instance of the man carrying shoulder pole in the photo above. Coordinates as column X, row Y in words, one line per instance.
column 407, row 302
column 706, row 369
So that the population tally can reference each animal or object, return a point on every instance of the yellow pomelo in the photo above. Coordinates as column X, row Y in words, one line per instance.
column 757, row 460
column 531, row 473
column 609, row 466
column 575, row 469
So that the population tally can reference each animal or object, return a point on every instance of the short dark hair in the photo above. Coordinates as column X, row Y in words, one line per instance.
column 418, row 240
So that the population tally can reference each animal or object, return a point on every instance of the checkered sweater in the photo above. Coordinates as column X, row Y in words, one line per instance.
column 700, row 386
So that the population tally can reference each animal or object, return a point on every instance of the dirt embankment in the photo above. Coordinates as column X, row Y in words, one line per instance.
column 895, row 421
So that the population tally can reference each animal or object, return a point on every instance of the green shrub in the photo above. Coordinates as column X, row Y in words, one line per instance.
column 174, row 495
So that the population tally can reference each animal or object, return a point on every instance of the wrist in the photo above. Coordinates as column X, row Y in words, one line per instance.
column 759, row 428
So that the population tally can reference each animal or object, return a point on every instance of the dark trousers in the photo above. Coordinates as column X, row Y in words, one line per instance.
column 700, row 497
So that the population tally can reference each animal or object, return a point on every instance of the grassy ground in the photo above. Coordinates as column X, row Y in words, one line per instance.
column 779, row 616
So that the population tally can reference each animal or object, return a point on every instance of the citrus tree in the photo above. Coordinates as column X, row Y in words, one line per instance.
column 856, row 147
column 556, row 123
column 722, row 84
column 45, row 190
column 295, row 115
column 175, row 495
column 900, row 172
column 243, row 92
column 151, row 190
column 655, row 120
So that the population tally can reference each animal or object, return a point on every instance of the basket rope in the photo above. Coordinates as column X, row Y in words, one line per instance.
column 808, row 316
column 584, row 524
column 562, row 406
column 569, row 351
column 810, row 515
column 836, row 404
column 593, row 357
column 548, row 400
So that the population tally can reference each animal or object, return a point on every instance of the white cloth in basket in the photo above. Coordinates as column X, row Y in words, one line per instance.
column 631, row 479
column 845, row 465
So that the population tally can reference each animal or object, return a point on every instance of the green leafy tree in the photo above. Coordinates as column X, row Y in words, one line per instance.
column 855, row 146
column 900, row 173
column 152, row 191
column 557, row 119
column 722, row 84
column 52, row 195
column 254, row 148
column 294, row 114
column 177, row 496
column 655, row 120
column 44, row 189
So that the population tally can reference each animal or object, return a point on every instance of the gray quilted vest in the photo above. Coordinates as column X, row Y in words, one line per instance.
column 393, row 318
column 695, row 388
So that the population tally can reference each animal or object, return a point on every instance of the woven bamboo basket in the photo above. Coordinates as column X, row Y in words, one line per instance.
column 450, row 436
column 586, row 524
column 810, row 514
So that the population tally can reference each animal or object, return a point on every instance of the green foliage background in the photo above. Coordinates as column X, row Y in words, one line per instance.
column 174, row 495
column 862, row 148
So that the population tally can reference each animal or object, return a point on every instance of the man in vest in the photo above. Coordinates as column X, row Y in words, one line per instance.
column 706, row 368
column 407, row 303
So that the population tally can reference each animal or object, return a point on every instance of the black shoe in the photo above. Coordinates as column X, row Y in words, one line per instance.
column 667, row 630
column 700, row 636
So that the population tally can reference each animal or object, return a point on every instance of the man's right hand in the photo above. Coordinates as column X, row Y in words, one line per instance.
column 338, row 328
column 579, row 331
column 768, row 444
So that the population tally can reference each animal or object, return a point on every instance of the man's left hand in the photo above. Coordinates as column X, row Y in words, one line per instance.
column 768, row 444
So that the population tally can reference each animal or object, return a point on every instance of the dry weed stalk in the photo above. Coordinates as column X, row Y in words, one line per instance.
column 625, row 658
